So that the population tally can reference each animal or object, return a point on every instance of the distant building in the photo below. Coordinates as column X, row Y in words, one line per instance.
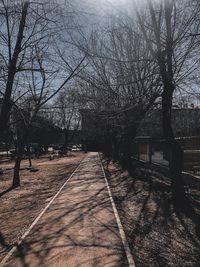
column 92, row 129
column 149, row 143
column 185, row 122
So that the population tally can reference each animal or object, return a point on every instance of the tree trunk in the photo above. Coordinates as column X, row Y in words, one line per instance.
column 107, row 146
column 7, row 103
column 16, row 177
column 115, row 145
column 22, row 139
column 29, row 156
column 66, row 140
column 129, row 135
column 127, row 146
column 175, row 150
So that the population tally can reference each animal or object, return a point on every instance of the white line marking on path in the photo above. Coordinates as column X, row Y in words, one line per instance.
column 5, row 259
column 119, row 224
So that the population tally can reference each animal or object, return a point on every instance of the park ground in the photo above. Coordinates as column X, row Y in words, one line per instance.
column 157, row 235
column 20, row 206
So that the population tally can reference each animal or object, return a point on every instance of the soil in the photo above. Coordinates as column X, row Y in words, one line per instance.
column 20, row 206
column 158, row 235
column 78, row 230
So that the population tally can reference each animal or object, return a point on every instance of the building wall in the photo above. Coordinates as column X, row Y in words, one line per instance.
column 185, row 122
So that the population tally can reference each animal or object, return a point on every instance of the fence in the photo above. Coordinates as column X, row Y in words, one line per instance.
column 156, row 151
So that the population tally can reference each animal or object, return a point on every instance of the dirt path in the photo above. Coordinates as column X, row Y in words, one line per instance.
column 78, row 229
column 20, row 206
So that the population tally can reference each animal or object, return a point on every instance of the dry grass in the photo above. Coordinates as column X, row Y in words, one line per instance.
column 20, row 206
column 158, row 236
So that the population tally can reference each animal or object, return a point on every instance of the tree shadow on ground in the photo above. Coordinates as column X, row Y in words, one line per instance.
column 190, row 210
column 158, row 234
column 179, row 222
column 19, row 207
column 78, row 224
column 7, row 191
column 3, row 243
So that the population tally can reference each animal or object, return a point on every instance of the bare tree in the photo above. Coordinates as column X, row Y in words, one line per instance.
column 66, row 113
column 13, row 55
column 28, row 29
column 166, row 30
column 32, row 70
column 38, row 84
column 122, row 79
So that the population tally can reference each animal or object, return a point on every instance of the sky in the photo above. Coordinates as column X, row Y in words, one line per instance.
column 104, row 8
column 104, row 5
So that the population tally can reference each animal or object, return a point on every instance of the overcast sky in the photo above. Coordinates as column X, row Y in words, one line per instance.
column 97, row 10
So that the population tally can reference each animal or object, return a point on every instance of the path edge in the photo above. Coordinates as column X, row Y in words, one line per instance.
column 129, row 256
column 9, row 254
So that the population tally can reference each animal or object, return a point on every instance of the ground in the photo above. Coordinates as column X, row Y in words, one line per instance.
column 20, row 206
column 79, row 228
column 157, row 235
